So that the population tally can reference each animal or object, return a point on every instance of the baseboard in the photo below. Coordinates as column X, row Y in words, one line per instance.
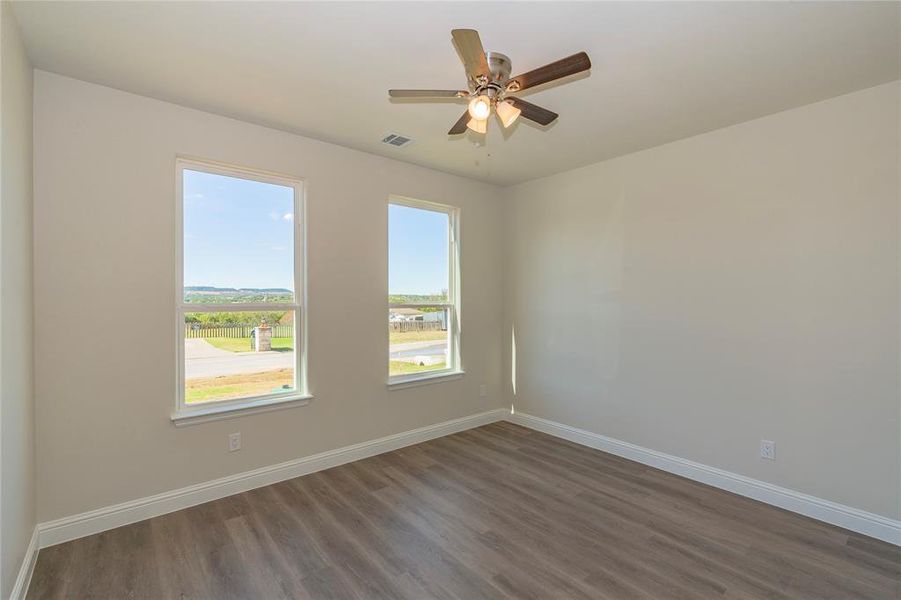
column 103, row 519
column 879, row 527
column 110, row 517
column 20, row 587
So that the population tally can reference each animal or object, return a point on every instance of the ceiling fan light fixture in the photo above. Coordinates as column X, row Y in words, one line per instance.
column 478, row 125
column 507, row 113
column 489, row 82
column 480, row 108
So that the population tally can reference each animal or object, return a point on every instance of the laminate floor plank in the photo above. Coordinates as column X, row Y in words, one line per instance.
column 499, row 511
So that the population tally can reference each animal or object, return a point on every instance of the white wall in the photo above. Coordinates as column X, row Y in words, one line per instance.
column 104, row 290
column 17, row 460
column 743, row 284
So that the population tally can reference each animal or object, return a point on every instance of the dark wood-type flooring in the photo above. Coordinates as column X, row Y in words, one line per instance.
column 494, row 512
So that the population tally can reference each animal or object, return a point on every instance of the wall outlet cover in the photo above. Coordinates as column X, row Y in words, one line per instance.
column 768, row 449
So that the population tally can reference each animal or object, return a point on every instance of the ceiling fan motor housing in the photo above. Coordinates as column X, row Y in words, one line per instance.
column 499, row 68
column 489, row 84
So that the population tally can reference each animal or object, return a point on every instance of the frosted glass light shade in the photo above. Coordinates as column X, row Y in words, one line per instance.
column 480, row 108
column 507, row 113
column 478, row 125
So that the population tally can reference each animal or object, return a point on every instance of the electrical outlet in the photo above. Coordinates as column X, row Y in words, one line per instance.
column 768, row 449
column 483, row 390
column 234, row 441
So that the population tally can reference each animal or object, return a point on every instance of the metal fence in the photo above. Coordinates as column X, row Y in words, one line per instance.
column 197, row 330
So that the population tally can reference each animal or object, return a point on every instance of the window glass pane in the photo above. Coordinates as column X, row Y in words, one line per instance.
column 238, row 240
column 238, row 354
column 418, row 340
column 417, row 254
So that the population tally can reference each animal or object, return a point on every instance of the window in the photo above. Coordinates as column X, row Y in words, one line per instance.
column 423, row 290
column 240, row 287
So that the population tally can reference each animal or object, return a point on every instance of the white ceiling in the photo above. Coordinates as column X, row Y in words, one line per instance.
column 661, row 71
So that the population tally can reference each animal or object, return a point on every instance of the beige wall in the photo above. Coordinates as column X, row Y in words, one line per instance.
column 743, row 284
column 104, row 297
column 17, row 461
column 693, row 298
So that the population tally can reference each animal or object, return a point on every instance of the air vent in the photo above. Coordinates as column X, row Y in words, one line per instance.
column 397, row 140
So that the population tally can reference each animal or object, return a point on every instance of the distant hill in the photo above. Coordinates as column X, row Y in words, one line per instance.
column 414, row 298
column 208, row 294
column 211, row 289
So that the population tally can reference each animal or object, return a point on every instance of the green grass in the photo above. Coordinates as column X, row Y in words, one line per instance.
column 401, row 337
column 242, row 385
column 243, row 344
column 399, row 367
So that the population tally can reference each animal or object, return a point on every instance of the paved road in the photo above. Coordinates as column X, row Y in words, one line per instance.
column 205, row 360
column 431, row 352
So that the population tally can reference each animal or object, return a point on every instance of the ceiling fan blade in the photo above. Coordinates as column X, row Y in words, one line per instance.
column 427, row 94
column 561, row 68
column 470, row 47
column 542, row 116
column 460, row 126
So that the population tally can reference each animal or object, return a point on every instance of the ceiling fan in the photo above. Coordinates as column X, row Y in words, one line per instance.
column 490, row 84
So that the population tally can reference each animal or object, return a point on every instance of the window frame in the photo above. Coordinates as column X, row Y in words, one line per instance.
column 183, row 413
column 454, row 369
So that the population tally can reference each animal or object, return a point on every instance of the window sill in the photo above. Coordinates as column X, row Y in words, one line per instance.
column 405, row 381
column 206, row 414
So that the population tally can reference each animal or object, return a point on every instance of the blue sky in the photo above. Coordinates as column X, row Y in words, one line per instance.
column 239, row 234
column 417, row 251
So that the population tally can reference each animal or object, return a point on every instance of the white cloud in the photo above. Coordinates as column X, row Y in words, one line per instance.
column 287, row 216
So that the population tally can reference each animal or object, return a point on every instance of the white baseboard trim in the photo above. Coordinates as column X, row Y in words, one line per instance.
column 879, row 527
column 20, row 587
column 102, row 519
column 69, row 528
